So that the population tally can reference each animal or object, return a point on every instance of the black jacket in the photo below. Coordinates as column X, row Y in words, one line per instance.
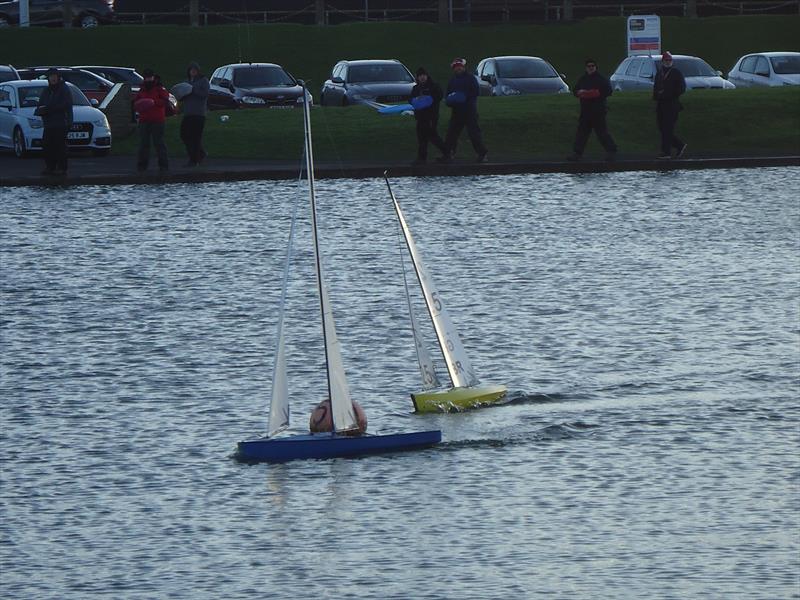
column 595, row 81
column 669, row 84
column 432, row 89
column 55, row 106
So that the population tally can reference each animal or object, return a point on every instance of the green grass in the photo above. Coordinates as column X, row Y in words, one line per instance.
column 741, row 122
column 714, row 123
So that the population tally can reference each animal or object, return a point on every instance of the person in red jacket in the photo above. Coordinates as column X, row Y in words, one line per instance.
column 150, row 102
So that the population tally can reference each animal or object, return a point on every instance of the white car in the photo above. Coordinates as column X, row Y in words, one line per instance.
column 21, row 131
column 766, row 69
column 638, row 73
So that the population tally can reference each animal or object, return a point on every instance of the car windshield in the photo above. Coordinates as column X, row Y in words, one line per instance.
column 521, row 68
column 693, row 67
column 376, row 73
column 785, row 65
column 7, row 76
column 29, row 96
column 250, row 77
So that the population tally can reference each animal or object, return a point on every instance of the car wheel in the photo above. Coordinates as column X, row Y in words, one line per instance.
column 88, row 21
column 101, row 152
column 20, row 150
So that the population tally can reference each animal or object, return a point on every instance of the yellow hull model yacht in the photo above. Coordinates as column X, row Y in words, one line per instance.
column 465, row 391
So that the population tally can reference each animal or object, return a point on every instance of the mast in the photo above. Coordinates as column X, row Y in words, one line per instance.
column 455, row 357
column 342, row 413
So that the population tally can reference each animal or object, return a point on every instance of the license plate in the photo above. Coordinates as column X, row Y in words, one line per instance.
column 78, row 135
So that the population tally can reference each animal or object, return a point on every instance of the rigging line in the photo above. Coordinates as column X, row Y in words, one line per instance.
column 335, row 147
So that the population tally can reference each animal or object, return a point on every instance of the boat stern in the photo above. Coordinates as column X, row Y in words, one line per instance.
column 457, row 399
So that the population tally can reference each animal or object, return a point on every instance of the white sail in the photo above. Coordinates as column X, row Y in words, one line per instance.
column 427, row 371
column 342, row 412
column 458, row 365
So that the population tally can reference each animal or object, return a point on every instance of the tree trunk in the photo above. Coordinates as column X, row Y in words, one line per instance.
column 691, row 8
column 444, row 16
column 567, row 16
column 194, row 13
column 319, row 10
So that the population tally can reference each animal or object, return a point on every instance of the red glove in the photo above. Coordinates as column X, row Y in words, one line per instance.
column 591, row 93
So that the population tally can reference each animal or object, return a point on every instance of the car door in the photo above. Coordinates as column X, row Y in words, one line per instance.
column 7, row 103
column 336, row 91
column 647, row 74
column 761, row 72
column 632, row 74
column 488, row 78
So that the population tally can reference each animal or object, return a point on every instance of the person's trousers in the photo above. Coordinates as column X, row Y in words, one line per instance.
column 667, row 117
column 426, row 132
column 192, row 136
column 596, row 121
column 151, row 133
column 459, row 120
column 54, row 146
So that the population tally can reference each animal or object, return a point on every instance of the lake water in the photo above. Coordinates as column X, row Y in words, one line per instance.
column 646, row 324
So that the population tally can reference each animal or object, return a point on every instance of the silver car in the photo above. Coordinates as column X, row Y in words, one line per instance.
column 638, row 73
column 515, row 75
column 766, row 69
column 367, row 81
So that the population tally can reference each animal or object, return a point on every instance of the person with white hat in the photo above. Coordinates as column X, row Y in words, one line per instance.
column 462, row 98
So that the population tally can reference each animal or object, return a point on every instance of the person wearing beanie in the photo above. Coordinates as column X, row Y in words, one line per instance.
column 668, row 86
column 462, row 98
column 592, row 90
column 55, row 108
column 427, row 117
column 194, row 107
column 150, row 102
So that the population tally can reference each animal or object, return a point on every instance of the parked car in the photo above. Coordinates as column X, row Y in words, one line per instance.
column 8, row 73
column 766, row 69
column 637, row 73
column 127, row 75
column 514, row 75
column 95, row 88
column 363, row 81
column 254, row 85
column 85, row 13
column 21, row 130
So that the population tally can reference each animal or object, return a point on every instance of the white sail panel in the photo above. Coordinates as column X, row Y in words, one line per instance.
column 427, row 371
column 279, row 405
column 344, row 417
column 458, row 364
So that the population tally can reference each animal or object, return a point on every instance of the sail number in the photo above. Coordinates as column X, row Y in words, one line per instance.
column 437, row 304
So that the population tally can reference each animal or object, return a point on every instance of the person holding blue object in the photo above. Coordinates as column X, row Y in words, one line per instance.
column 462, row 98
column 425, row 98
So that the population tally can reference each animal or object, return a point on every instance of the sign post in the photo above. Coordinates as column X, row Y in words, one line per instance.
column 644, row 35
column 24, row 14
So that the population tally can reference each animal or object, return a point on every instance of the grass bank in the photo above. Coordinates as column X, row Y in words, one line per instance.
column 310, row 51
column 747, row 122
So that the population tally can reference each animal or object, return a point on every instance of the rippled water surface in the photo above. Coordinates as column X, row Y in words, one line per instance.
column 646, row 325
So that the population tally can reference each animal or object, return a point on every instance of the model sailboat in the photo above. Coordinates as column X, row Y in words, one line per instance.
column 465, row 390
column 344, row 440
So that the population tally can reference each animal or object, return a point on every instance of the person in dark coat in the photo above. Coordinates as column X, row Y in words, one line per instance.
column 150, row 102
column 462, row 98
column 427, row 118
column 194, row 107
column 668, row 86
column 55, row 108
column 592, row 89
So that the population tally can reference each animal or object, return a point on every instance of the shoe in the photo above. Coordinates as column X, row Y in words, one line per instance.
column 681, row 151
column 574, row 157
column 482, row 158
column 60, row 172
column 664, row 156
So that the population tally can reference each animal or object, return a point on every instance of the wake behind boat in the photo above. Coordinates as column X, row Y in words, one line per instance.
column 345, row 440
column 465, row 391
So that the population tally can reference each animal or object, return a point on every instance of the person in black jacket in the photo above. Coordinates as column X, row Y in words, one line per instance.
column 592, row 89
column 427, row 118
column 55, row 108
column 462, row 98
column 668, row 86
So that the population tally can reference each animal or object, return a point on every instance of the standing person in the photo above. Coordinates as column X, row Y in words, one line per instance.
column 193, row 106
column 592, row 89
column 150, row 103
column 462, row 98
column 428, row 117
column 668, row 86
column 55, row 108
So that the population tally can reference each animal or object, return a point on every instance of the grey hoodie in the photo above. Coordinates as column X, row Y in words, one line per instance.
column 194, row 104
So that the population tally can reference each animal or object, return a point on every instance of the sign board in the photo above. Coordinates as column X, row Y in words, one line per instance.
column 644, row 35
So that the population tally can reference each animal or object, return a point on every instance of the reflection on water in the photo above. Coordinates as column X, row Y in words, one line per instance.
column 646, row 324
